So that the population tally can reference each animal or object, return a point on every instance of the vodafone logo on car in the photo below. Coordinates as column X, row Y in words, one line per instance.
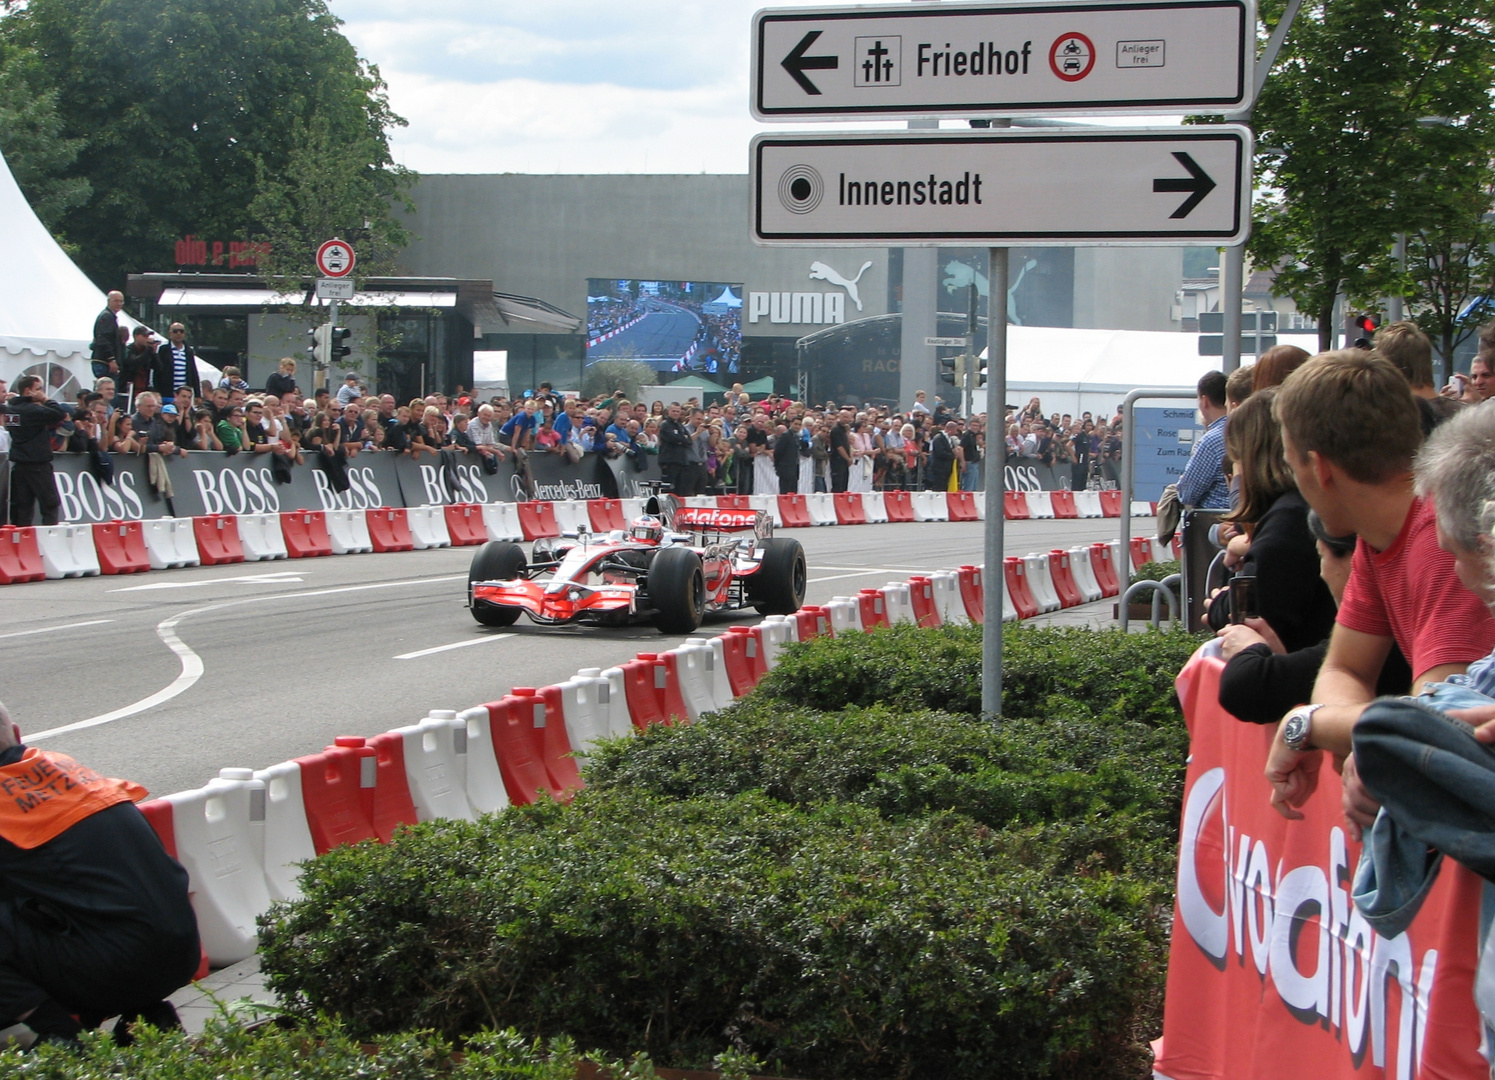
column 716, row 518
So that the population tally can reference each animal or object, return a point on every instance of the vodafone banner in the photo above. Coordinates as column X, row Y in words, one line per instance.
column 1272, row 971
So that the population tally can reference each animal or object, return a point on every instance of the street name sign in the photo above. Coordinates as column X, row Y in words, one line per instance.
column 1059, row 187
column 945, row 342
column 1012, row 60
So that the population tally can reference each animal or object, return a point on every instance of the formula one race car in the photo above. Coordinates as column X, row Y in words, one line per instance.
column 671, row 566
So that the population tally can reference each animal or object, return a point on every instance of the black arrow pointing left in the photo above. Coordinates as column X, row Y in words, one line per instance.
column 797, row 63
column 1198, row 185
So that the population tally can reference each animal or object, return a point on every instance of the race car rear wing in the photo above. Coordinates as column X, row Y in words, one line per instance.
column 680, row 518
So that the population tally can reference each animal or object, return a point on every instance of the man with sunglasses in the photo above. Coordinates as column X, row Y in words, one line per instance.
column 176, row 363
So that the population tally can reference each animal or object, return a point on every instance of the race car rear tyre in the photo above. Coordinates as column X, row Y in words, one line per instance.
column 497, row 560
column 778, row 588
column 677, row 591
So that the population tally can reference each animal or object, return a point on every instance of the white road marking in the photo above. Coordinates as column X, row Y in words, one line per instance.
column 282, row 577
column 54, row 629
column 455, row 645
column 877, row 570
column 192, row 666
column 859, row 573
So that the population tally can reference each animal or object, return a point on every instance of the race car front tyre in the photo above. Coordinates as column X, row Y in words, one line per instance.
column 677, row 591
column 778, row 588
column 497, row 560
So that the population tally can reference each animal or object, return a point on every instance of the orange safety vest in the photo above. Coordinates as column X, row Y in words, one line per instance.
column 43, row 795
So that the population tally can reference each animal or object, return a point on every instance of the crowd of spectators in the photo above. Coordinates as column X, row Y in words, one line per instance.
column 606, row 314
column 772, row 445
column 1362, row 519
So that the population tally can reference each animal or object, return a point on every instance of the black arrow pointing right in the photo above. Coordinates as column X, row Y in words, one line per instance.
column 797, row 63
column 1199, row 184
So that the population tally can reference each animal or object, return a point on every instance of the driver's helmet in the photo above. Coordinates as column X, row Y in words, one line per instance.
column 648, row 528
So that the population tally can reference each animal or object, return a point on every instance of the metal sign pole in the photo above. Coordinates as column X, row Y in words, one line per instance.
column 993, row 577
column 968, row 383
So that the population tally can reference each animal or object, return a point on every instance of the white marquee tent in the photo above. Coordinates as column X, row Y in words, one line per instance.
column 1075, row 371
column 47, row 305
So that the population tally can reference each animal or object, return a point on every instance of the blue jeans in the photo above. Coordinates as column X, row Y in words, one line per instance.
column 1436, row 786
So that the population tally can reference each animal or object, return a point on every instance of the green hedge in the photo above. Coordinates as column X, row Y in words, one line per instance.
column 321, row 1051
column 847, row 874
column 829, row 939
column 906, row 764
column 1046, row 672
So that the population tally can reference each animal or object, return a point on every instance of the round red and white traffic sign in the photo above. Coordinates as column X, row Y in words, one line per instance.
column 335, row 259
column 1072, row 56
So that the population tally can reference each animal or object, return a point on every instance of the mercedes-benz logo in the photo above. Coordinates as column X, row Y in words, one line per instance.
column 800, row 189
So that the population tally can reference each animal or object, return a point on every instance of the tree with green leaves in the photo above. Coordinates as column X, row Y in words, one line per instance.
column 31, row 138
column 1349, row 152
column 322, row 193
column 1449, row 263
column 186, row 107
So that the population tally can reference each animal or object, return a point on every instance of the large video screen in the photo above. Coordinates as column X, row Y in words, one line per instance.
column 669, row 325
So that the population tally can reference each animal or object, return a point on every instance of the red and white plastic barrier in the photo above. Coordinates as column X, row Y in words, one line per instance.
column 67, row 550
column 1040, row 504
column 428, row 527
column 261, row 537
column 120, row 546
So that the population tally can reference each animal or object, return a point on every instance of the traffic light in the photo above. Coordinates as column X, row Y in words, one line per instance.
column 1366, row 325
column 318, row 346
column 980, row 371
column 336, row 344
column 952, row 369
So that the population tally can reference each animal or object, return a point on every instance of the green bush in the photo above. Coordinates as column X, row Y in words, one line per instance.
column 848, row 874
column 907, row 764
column 322, row 1050
column 829, row 940
column 1046, row 672
column 1156, row 571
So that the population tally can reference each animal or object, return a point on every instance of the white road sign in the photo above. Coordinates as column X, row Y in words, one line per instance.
column 1064, row 187
column 1017, row 60
column 331, row 288
column 945, row 342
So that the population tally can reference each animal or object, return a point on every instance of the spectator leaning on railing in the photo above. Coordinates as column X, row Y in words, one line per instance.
column 1429, row 761
column 1350, row 429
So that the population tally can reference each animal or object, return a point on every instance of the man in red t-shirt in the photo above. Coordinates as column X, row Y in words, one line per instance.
column 1350, row 429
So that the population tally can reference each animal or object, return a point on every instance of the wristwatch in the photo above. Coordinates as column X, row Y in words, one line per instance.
column 1298, row 726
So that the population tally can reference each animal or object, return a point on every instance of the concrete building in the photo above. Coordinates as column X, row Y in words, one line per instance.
column 549, row 236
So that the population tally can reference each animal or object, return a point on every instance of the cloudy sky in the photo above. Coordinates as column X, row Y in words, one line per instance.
column 570, row 86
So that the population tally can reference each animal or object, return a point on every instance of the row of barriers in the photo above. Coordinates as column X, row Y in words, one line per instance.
column 32, row 553
column 243, row 836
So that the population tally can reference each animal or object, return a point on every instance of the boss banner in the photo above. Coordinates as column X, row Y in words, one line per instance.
column 1272, row 970
column 127, row 496
column 209, row 483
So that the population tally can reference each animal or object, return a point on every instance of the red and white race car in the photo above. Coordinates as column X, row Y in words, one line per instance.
column 671, row 566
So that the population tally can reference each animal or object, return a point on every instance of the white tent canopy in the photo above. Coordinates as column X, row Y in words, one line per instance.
column 1075, row 371
column 722, row 304
column 47, row 305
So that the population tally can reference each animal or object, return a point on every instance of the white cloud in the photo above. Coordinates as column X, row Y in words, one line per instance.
column 570, row 86
column 562, row 85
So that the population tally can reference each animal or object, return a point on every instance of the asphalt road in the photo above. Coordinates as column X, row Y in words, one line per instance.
column 662, row 334
column 166, row 677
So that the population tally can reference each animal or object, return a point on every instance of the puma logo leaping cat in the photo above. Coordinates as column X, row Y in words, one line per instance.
column 820, row 272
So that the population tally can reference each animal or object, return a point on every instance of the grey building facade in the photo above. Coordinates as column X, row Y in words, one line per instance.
column 549, row 236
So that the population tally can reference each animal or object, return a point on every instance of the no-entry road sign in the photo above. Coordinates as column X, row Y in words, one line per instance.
column 335, row 258
column 1068, row 187
column 1017, row 60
